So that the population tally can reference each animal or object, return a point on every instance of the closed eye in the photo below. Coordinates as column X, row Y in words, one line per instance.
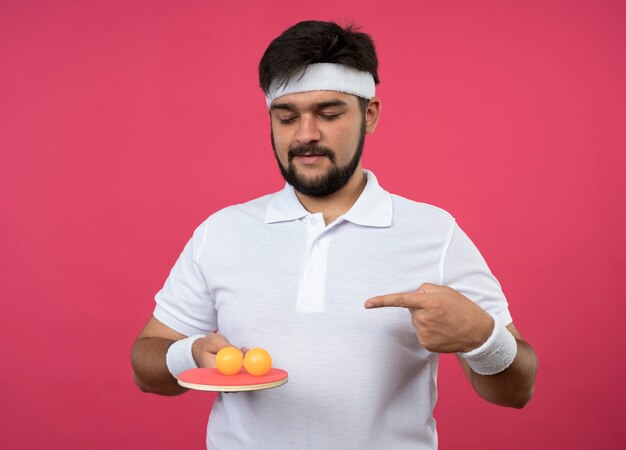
column 287, row 120
column 330, row 117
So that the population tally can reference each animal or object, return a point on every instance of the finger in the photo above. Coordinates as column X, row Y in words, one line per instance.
column 215, row 342
column 429, row 288
column 205, row 349
column 208, row 359
column 212, row 344
column 399, row 300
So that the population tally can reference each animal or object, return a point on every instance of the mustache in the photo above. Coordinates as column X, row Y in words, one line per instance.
column 310, row 150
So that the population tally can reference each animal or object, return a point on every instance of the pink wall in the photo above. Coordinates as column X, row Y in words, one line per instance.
column 124, row 124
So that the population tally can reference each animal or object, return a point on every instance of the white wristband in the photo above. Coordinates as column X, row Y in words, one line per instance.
column 496, row 354
column 179, row 356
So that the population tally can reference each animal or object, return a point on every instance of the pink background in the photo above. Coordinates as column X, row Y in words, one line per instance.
column 124, row 124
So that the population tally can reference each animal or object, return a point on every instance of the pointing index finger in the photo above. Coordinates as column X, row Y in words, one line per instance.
column 399, row 300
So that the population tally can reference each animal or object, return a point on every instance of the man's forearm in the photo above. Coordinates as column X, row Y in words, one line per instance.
column 150, row 370
column 514, row 386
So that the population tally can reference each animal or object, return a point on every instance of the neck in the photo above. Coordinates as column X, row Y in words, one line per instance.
column 337, row 203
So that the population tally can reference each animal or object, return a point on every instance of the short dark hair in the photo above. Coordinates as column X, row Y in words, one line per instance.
column 312, row 42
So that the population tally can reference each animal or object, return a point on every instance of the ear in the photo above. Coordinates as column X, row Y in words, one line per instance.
column 372, row 114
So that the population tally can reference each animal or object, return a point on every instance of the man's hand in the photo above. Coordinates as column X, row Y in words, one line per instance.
column 445, row 321
column 205, row 349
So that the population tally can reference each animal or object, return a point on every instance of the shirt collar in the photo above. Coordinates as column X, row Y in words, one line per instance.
column 284, row 206
column 373, row 208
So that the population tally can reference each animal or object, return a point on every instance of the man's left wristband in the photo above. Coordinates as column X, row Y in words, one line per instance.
column 179, row 356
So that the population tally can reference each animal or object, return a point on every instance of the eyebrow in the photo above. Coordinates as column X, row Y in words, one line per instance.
column 319, row 105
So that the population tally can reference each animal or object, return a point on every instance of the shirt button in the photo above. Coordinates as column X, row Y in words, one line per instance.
column 317, row 244
column 313, row 272
column 313, row 220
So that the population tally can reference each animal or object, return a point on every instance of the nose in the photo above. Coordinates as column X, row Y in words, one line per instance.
column 308, row 131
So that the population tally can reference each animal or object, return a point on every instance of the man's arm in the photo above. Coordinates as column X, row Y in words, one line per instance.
column 148, row 359
column 446, row 321
column 148, row 354
column 515, row 385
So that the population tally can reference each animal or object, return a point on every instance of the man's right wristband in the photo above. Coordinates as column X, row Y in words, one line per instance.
column 179, row 356
column 496, row 354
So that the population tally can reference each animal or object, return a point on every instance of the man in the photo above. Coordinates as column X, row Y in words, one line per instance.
column 354, row 291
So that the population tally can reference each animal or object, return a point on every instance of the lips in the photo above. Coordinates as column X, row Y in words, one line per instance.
column 307, row 154
column 311, row 151
column 309, row 159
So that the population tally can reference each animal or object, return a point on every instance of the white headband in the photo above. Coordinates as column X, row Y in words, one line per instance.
column 325, row 77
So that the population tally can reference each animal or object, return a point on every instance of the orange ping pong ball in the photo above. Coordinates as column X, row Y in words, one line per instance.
column 257, row 361
column 229, row 360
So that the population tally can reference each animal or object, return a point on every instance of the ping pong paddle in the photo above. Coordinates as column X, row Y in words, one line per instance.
column 211, row 380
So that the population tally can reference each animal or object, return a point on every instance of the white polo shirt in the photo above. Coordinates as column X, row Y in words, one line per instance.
column 268, row 273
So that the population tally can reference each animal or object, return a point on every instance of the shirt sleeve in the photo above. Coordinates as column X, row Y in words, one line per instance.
column 185, row 303
column 464, row 269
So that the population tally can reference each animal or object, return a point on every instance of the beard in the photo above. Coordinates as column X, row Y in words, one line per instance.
column 322, row 185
